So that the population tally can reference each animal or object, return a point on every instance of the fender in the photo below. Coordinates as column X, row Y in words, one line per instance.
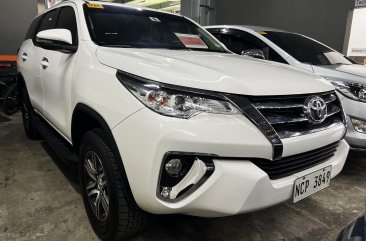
column 99, row 122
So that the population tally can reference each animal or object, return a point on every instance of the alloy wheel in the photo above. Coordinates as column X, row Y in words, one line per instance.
column 96, row 186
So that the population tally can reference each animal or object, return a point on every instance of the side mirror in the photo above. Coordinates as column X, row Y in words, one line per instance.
column 56, row 39
column 255, row 53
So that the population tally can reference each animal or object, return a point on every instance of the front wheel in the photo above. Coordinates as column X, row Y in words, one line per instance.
column 11, row 100
column 110, row 206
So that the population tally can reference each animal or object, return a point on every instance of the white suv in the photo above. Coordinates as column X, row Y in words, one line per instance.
column 163, row 119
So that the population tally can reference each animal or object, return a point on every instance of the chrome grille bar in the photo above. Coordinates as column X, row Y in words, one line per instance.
column 286, row 113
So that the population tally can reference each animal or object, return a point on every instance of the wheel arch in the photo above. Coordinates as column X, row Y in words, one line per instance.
column 85, row 118
column 21, row 81
column 79, row 128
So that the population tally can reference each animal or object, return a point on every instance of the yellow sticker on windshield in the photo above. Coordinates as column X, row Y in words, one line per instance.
column 261, row 32
column 94, row 5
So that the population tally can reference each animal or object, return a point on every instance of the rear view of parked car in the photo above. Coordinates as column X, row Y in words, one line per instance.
column 308, row 54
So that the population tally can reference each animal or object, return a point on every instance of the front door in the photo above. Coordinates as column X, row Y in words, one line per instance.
column 57, row 72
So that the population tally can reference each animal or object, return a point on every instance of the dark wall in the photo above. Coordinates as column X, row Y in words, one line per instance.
column 324, row 20
column 15, row 17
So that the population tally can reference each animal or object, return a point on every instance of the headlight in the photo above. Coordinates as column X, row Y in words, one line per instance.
column 351, row 90
column 175, row 101
column 359, row 125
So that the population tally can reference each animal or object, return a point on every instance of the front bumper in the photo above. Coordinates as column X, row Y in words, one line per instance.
column 357, row 110
column 236, row 186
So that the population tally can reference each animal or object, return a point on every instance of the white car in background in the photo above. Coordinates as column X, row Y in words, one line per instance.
column 163, row 119
column 308, row 54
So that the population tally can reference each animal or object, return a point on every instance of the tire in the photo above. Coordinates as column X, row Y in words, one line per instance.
column 28, row 116
column 120, row 218
column 10, row 100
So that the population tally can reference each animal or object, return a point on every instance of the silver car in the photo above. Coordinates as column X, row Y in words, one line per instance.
column 308, row 54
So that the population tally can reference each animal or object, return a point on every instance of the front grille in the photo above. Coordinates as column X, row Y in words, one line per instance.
column 296, row 163
column 287, row 117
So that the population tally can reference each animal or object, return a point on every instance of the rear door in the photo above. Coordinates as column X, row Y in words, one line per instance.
column 29, row 59
column 57, row 71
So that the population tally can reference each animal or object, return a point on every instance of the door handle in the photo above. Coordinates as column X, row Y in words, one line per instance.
column 24, row 56
column 44, row 63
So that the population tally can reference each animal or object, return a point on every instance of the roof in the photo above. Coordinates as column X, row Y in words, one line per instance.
column 248, row 28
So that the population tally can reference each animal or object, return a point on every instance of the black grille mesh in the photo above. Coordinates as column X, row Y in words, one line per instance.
column 296, row 163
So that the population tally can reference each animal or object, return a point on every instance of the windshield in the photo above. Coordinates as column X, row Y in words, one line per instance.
column 119, row 26
column 305, row 49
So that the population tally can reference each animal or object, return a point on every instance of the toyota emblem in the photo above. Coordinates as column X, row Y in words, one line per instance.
column 315, row 109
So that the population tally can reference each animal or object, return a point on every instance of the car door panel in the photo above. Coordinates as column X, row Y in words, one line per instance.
column 27, row 63
column 57, row 72
column 57, row 77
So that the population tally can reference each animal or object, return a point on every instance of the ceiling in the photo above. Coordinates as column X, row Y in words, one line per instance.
column 166, row 5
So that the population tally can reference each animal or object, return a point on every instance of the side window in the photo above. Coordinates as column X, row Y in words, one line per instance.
column 239, row 41
column 217, row 35
column 49, row 20
column 31, row 33
column 236, row 44
column 274, row 56
column 67, row 20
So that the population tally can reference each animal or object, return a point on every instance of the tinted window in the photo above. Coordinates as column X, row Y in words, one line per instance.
column 306, row 50
column 132, row 28
column 49, row 20
column 31, row 33
column 67, row 20
column 241, row 41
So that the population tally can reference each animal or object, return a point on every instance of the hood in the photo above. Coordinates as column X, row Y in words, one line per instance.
column 355, row 69
column 349, row 73
column 227, row 73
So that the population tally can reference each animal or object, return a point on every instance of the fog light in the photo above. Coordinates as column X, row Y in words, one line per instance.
column 182, row 174
column 173, row 167
column 165, row 192
column 359, row 125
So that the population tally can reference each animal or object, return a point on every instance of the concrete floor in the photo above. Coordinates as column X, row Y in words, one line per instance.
column 39, row 200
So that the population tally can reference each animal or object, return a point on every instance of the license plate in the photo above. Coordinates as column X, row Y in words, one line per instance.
column 311, row 183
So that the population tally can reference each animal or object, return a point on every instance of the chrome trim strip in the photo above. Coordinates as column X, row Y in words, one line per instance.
column 289, row 134
column 252, row 113
column 285, row 120
column 332, row 98
column 276, row 105
column 333, row 112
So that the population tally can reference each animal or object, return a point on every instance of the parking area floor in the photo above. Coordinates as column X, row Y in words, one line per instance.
column 40, row 200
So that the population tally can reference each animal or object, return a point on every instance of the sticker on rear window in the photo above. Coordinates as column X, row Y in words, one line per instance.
column 191, row 41
column 94, row 5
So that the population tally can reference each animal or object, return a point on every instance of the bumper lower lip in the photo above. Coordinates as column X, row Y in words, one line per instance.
column 358, row 149
column 242, row 187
